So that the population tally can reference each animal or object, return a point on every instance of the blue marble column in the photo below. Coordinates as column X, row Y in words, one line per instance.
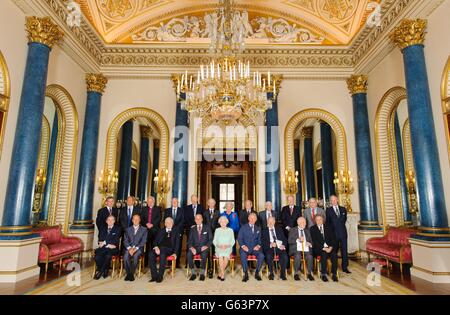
column 155, row 164
column 298, row 195
column 146, row 133
column 409, row 36
column 42, row 35
column 401, row 172
column 126, row 155
column 273, row 186
column 357, row 85
column 43, row 215
column 326, row 146
column 96, row 84
column 181, row 155
column 308, row 151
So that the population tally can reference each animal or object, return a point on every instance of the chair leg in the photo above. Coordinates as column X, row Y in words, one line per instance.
column 140, row 267
column 121, row 269
column 214, row 267
column 387, row 267
column 401, row 269
column 113, row 262
column 95, row 269
column 60, row 267
column 46, row 270
column 368, row 256
column 173, row 268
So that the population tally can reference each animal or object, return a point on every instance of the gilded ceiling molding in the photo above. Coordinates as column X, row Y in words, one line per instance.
column 96, row 82
column 357, row 84
column 409, row 33
column 43, row 31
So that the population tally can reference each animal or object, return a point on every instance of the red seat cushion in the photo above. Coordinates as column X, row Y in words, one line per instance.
column 251, row 257
column 390, row 246
column 170, row 258
column 58, row 249
column 231, row 257
column 197, row 257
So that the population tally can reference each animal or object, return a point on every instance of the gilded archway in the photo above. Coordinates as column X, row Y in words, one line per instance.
column 5, row 91
column 114, row 128
column 387, row 162
column 445, row 93
column 66, row 149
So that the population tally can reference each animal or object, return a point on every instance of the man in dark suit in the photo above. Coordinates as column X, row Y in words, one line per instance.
column 324, row 246
column 190, row 211
column 176, row 213
column 151, row 219
column 167, row 242
column 265, row 214
column 289, row 215
column 199, row 243
column 108, row 246
column 135, row 239
column 104, row 213
column 249, row 239
column 244, row 213
column 300, row 244
column 126, row 214
column 336, row 218
column 274, row 244
column 211, row 218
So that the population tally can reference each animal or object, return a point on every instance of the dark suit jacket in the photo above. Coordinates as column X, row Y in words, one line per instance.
column 112, row 238
column 246, row 237
column 211, row 221
column 137, row 240
column 243, row 216
column 294, row 235
column 262, row 218
column 156, row 218
column 189, row 217
column 319, row 240
column 174, row 238
column 206, row 237
column 123, row 217
column 338, row 223
column 102, row 215
column 290, row 220
column 265, row 238
column 179, row 220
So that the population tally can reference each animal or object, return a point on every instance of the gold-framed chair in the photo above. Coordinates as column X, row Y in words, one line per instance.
column 231, row 261
column 198, row 257
column 317, row 266
column 276, row 261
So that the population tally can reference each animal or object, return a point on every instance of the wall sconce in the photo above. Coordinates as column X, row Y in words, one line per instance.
column 343, row 182
column 162, row 185
column 108, row 183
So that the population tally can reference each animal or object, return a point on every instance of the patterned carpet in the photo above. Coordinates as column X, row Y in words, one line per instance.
column 353, row 284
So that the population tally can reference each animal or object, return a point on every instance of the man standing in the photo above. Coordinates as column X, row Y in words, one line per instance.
column 199, row 243
column 324, row 246
column 266, row 214
column 274, row 244
column 190, row 211
column 244, row 213
column 135, row 239
column 108, row 246
column 289, row 215
column 104, row 213
column 312, row 211
column 300, row 245
column 249, row 239
column 126, row 214
column 176, row 213
column 151, row 219
column 211, row 218
column 336, row 218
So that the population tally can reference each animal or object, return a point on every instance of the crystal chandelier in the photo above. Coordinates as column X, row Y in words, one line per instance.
column 226, row 88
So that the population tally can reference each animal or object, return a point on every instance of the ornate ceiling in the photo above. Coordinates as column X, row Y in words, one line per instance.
column 295, row 22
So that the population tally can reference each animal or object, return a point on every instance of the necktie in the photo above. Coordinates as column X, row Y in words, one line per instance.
column 313, row 213
column 174, row 213
column 129, row 216
column 109, row 210
column 291, row 208
column 211, row 213
column 336, row 209
column 109, row 230
column 150, row 215
column 321, row 230
column 302, row 233
column 253, row 230
column 194, row 209
column 168, row 232
column 199, row 231
column 274, row 237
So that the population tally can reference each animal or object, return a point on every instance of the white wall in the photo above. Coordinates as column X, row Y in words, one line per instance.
column 62, row 71
column 390, row 73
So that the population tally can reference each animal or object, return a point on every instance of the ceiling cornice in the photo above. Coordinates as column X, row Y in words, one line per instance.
column 369, row 46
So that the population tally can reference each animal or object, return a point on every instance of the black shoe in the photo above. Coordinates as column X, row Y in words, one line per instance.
column 347, row 271
column 127, row 278
column 159, row 280
column 310, row 277
column 193, row 277
column 105, row 275
column 222, row 279
column 271, row 276
column 202, row 277
column 335, row 278
column 97, row 275
column 283, row 277
column 324, row 278
column 152, row 280
column 219, row 278
column 296, row 277
column 257, row 276
column 210, row 275
column 245, row 278
column 132, row 278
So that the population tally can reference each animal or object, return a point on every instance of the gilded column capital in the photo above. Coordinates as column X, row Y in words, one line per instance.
column 307, row 132
column 357, row 84
column 96, row 82
column 409, row 33
column 146, row 131
column 42, row 30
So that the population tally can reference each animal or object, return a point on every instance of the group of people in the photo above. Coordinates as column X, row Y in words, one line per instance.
column 210, row 234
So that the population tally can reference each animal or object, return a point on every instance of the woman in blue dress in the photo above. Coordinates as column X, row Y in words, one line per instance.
column 233, row 221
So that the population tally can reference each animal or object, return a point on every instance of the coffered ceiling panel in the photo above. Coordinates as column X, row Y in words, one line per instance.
column 292, row 22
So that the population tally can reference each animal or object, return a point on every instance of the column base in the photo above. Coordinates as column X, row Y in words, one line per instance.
column 86, row 234
column 364, row 235
column 431, row 260
column 22, row 259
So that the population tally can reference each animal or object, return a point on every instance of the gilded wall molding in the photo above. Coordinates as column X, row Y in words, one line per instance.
column 63, row 175
column 5, row 94
column 386, row 154
column 407, row 147
column 120, row 119
column 332, row 120
column 44, row 144
column 445, row 95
